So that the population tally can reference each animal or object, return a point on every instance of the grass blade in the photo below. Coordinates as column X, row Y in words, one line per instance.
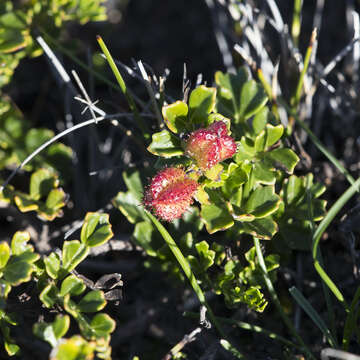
column 313, row 314
column 344, row 198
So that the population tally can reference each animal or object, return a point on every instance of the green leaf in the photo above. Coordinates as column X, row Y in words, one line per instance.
column 175, row 116
column 73, row 253
column 262, row 202
column 11, row 40
column 165, row 144
column 52, row 332
column 19, row 243
column 260, row 120
column 45, row 332
column 19, row 268
column 134, row 184
column 93, row 301
column 229, row 89
column 49, row 295
column 264, row 228
column 75, row 348
column 273, row 134
column 216, row 218
column 4, row 254
column 72, row 285
column 201, row 103
column 263, row 174
column 96, row 229
column 284, row 156
column 206, row 255
column 232, row 184
column 103, row 325
column 41, row 183
column 143, row 234
column 252, row 99
column 130, row 206
column 52, row 265
column 55, row 200
column 61, row 325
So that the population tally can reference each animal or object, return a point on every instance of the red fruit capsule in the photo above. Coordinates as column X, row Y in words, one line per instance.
column 211, row 145
column 170, row 193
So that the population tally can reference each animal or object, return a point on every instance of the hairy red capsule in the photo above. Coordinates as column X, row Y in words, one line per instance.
column 170, row 193
column 211, row 145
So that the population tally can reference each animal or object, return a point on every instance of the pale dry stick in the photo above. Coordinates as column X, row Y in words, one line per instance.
column 89, row 103
column 331, row 65
column 180, row 345
column 356, row 50
column 150, row 91
column 218, row 18
column 328, row 353
column 57, row 137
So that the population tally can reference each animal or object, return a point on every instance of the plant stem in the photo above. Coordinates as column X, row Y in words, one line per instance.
column 188, row 272
column 350, row 321
column 344, row 198
column 123, row 87
column 296, row 99
column 296, row 23
column 275, row 298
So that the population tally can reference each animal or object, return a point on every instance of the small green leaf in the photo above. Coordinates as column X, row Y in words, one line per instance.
column 264, row 228
column 273, row 134
column 134, row 184
column 201, row 103
column 165, row 144
column 17, row 271
column 263, row 174
column 49, row 295
column 142, row 235
column 73, row 253
column 45, row 332
column 175, row 116
column 103, row 325
column 229, row 89
column 11, row 348
column 252, row 99
column 93, row 301
column 55, row 199
column 284, row 156
column 216, row 218
column 72, row 285
column 52, row 265
column 96, row 229
column 75, row 348
column 4, row 254
column 233, row 183
column 19, row 243
column 206, row 255
column 61, row 325
column 260, row 120
column 41, row 183
column 262, row 202
column 130, row 206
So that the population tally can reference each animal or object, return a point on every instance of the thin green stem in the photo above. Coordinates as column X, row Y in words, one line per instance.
column 325, row 289
column 188, row 272
column 296, row 99
column 344, row 198
column 123, row 86
column 296, row 23
column 350, row 322
column 275, row 298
